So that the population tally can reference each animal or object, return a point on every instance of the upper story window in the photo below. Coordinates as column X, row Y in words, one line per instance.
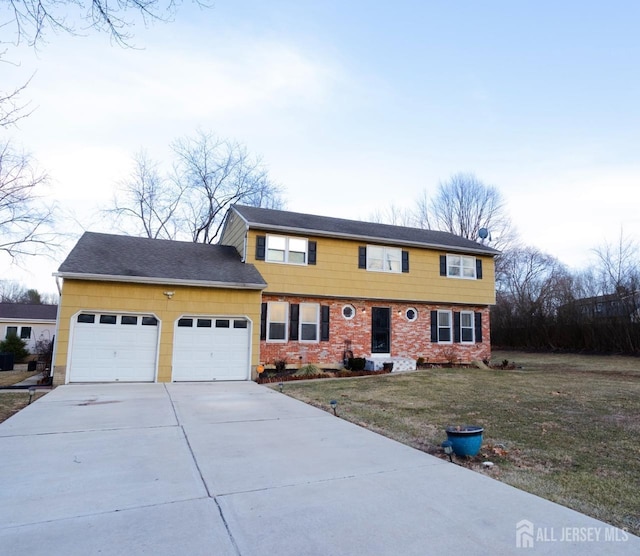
column 384, row 259
column 378, row 258
column 285, row 249
column 461, row 266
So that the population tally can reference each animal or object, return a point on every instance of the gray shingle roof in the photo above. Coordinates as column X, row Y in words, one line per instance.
column 280, row 220
column 138, row 259
column 28, row 311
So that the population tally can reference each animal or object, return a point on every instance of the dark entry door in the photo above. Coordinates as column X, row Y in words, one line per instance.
column 381, row 330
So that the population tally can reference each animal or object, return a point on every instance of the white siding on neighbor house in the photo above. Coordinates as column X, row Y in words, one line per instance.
column 39, row 331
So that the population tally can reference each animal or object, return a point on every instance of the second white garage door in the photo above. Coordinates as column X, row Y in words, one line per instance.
column 211, row 348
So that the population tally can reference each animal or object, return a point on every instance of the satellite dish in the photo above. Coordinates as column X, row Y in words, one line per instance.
column 483, row 233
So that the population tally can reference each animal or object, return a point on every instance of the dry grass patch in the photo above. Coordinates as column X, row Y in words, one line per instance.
column 564, row 427
column 9, row 378
column 12, row 402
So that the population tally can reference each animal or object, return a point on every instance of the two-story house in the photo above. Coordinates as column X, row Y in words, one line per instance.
column 279, row 285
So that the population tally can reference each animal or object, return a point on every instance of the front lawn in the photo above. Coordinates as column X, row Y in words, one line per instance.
column 564, row 427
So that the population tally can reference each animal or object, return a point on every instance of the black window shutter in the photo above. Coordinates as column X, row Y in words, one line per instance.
column 362, row 257
column 456, row 326
column 434, row 326
column 312, row 252
column 263, row 322
column 294, row 319
column 443, row 265
column 477, row 318
column 261, row 244
column 405, row 261
column 479, row 269
column 324, row 323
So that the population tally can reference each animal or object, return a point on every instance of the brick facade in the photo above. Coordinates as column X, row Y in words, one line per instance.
column 410, row 339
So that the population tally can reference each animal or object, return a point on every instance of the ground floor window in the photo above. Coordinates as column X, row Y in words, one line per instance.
column 444, row 327
column 277, row 321
column 466, row 327
column 309, row 321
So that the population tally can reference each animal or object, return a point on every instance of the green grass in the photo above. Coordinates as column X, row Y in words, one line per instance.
column 564, row 427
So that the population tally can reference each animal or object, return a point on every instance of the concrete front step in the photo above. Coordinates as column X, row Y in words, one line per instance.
column 400, row 364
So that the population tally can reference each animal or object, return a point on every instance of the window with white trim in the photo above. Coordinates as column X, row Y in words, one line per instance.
column 277, row 317
column 348, row 311
column 445, row 326
column 467, row 327
column 384, row 259
column 461, row 266
column 309, row 322
column 283, row 249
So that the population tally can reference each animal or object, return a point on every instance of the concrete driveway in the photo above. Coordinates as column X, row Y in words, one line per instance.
column 239, row 469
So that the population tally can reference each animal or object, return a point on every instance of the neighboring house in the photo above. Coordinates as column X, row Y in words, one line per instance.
column 624, row 305
column 280, row 285
column 30, row 322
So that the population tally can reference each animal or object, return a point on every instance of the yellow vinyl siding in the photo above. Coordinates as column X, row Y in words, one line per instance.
column 120, row 297
column 336, row 274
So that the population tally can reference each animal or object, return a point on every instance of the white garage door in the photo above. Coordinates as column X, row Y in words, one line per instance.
column 109, row 347
column 211, row 348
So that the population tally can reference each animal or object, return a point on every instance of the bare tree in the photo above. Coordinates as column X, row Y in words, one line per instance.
column 209, row 175
column 12, row 108
column 31, row 19
column 24, row 219
column 392, row 214
column 420, row 214
column 148, row 201
column 617, row 266
column 216, row 173
column 463, row 205
column 13, row 292
column 531, row 288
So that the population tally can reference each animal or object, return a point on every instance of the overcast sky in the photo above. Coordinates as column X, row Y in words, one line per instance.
column 356, row 105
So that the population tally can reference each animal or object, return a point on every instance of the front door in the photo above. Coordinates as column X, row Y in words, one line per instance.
column 381, row 330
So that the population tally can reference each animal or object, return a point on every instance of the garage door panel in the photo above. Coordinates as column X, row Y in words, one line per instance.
column 106, row 352
column 219, row 352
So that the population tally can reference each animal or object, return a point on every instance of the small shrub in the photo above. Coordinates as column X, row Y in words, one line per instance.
column 356, row 363
column 15, row 345
column 420, row 361
column 280, row 365
column 308, row 370
column 450, row 356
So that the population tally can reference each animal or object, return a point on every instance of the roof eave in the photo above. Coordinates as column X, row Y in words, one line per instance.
column 161, row 281
column 323, row 233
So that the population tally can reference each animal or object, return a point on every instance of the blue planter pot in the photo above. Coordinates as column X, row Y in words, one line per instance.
column 466, row 440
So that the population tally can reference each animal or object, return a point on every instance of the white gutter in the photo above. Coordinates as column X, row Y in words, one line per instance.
column 160, row 281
